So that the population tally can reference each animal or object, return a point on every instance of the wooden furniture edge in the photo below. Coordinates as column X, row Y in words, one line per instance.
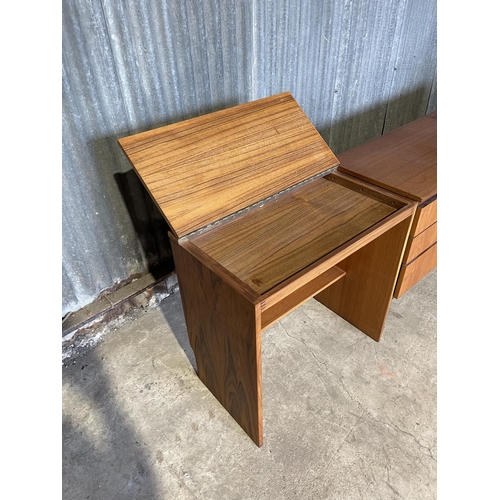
column 147, row 189
column 217, row 268
column 419, row 244
column 369, row 189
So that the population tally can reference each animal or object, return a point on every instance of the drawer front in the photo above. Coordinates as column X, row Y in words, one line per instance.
column 413, row 272
column 420, row 243
column 425, row 216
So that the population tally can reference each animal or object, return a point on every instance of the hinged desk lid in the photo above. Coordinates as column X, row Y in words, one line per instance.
column 206, row 168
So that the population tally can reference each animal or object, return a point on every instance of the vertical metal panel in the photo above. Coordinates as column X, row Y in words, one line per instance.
column 127, row 67
column 338, row 59
column 370, row 33
column 415, row 64
column 432, row 105
column 130, row 65
column 296, row 48
column 100, row 246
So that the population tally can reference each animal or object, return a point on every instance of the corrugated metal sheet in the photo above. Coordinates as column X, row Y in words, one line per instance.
column 358, row 68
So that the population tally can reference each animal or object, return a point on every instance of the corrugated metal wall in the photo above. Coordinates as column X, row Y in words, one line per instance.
column 357, row 68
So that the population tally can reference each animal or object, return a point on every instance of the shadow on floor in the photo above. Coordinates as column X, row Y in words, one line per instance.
column 114, row 441
column 177, row 324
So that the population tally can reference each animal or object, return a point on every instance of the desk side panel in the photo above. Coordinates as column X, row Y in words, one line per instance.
column 364, row 295
column 224, row 333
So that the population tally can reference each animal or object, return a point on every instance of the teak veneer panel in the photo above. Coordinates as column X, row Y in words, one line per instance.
column 363, row 296
column 269, row 244
column 201, row 170
column 403, row 160
column 224, row 333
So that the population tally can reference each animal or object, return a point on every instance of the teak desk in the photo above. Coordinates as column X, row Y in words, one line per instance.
column 262, row 221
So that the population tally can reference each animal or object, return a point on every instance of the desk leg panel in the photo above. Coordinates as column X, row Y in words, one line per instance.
column 364, row 296
column 224, row 333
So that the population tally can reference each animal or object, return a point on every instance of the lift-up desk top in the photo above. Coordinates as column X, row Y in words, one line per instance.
column 262, row 221
column 206, row 168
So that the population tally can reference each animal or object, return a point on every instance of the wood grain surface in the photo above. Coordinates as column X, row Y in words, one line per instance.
column 269, row 244
column 206, row 168
column 224, row 333
column 420, row 243
column 406, row 209
column 403, row 160
column 415, row 270
column 364, row 295
column 425, row 216
column 232, row 280
column 272, row 314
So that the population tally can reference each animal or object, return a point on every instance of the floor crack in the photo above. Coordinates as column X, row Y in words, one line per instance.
column 349, row 433
column 395, row 427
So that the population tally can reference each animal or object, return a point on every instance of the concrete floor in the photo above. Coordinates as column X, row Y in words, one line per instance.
column 344, row 417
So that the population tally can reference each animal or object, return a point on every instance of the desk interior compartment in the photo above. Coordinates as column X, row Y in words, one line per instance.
column 270, row 243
